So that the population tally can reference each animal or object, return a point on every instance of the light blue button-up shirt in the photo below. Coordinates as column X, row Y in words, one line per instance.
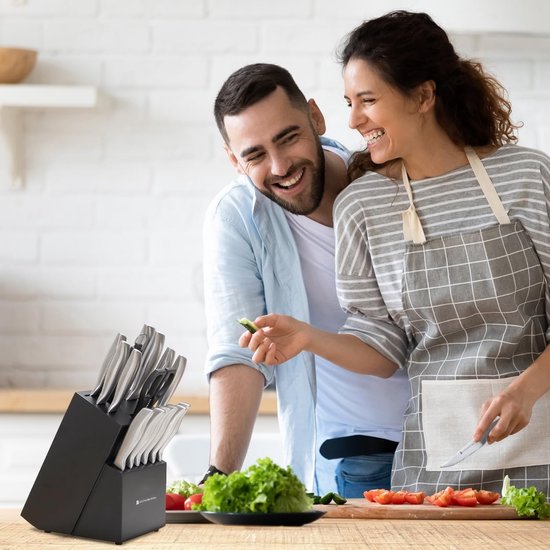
column 252, row 267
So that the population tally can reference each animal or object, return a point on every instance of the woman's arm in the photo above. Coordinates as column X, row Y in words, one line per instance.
column 282, row 337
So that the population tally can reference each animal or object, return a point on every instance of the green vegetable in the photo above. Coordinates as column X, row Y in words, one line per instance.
column 265, row 487
column 528, row 502
column 248, row 325
column 184, row 488
column 327, row 498
column 338, row 499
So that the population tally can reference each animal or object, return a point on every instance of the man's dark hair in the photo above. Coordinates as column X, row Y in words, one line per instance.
column 250, row 84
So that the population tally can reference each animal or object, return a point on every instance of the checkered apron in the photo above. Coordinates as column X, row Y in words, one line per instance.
column 475, row 302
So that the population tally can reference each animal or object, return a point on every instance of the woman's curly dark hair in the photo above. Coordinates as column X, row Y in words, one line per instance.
column 408, row 49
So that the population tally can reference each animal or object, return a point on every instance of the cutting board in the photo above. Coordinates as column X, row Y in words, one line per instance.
column 360, row 508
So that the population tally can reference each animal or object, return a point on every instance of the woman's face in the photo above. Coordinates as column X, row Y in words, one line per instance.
column 388, row 120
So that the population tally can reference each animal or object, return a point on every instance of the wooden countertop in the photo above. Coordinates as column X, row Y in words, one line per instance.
column 56, row 401
column 324, row 534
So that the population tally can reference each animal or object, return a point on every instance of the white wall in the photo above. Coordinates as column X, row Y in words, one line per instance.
column 106, row 233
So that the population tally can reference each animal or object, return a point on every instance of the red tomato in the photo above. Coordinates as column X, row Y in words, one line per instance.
column 486, row 497
column 398, row 497
column 414, row 498
column 385, row 497
column 192, row 499
column 369, row 495
column 179, row 501
column 170, row 505
column 465, row 497
column 443, row 498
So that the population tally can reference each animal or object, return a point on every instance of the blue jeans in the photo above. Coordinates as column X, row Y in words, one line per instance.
column 357, row 474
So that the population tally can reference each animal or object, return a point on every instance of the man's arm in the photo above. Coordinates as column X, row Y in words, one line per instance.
column 235, row 396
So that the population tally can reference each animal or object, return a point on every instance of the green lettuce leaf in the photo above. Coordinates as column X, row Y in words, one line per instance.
column 265, row 487
column 528, row 502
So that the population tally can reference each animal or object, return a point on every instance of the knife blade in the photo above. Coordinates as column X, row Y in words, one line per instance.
column 470, row 448
column 132, row 437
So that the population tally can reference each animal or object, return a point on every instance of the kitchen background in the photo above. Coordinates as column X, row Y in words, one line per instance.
column 104, row 233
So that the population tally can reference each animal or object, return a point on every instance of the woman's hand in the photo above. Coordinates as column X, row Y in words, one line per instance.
column 513, row 405
column 279, row 338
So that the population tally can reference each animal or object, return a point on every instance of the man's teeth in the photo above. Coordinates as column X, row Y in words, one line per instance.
column 289, row 183
column 372, row 137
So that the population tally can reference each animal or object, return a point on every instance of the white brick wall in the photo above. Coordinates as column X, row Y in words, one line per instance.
column 106, row 233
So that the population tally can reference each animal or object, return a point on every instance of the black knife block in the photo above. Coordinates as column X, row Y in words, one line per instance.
column 79, row 492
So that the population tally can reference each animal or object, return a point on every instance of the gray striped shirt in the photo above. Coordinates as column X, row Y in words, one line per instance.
column 369, row 235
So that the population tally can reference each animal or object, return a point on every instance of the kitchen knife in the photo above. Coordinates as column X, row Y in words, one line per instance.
column 172, row 430
column 125, row 379
column 153, row 350
column 118, row 361
column 470, row 448
column 105, row 364
column 148, row 433
column 179, row 369
column 132, row 437
column 148, row 361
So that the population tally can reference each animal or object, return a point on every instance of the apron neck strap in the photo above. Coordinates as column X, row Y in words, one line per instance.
column 487, row 186
column 412, row 228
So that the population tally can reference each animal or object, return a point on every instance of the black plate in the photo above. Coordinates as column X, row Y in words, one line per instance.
column 297, row 518
column 184, row 516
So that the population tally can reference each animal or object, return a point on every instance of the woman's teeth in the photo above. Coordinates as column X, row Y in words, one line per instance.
column 292, row 181
column 373, row 137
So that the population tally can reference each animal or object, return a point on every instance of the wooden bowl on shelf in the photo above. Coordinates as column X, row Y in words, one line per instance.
column 16, row 64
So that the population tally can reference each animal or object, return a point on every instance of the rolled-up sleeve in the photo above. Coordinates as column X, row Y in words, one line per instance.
column 357, row 286
column 233, row 285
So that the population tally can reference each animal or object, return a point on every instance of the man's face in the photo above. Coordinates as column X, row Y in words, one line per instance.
column 277, row 146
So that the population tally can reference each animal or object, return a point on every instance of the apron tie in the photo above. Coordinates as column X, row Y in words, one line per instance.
column 412, row 228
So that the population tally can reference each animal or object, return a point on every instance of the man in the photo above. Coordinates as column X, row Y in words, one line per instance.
column 269, row 247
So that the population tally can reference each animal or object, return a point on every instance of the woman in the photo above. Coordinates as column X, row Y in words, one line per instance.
column 443, row 261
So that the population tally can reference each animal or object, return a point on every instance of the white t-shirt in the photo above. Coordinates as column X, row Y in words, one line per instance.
column 348, row 403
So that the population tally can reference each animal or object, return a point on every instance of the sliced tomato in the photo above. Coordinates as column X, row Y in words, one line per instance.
column 442, row 498
column 415, row 498
column 385, row 497
column 369, row 495
column 486, row 497
column 464, row 497
column 192, row 499
column 398, row 497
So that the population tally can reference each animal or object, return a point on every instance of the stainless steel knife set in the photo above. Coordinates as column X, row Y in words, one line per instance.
column 103, row 476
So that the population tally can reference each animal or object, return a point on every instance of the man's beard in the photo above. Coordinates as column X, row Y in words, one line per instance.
column 305, row 205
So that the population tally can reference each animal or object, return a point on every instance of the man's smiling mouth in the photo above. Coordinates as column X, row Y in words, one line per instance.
column 289, row 183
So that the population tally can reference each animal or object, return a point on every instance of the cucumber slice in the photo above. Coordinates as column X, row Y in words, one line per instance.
column 248, row 325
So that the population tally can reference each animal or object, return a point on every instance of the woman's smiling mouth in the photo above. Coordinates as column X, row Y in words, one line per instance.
column 374, row 136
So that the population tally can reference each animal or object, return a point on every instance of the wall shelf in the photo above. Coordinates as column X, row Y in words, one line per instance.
column 16, row 97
